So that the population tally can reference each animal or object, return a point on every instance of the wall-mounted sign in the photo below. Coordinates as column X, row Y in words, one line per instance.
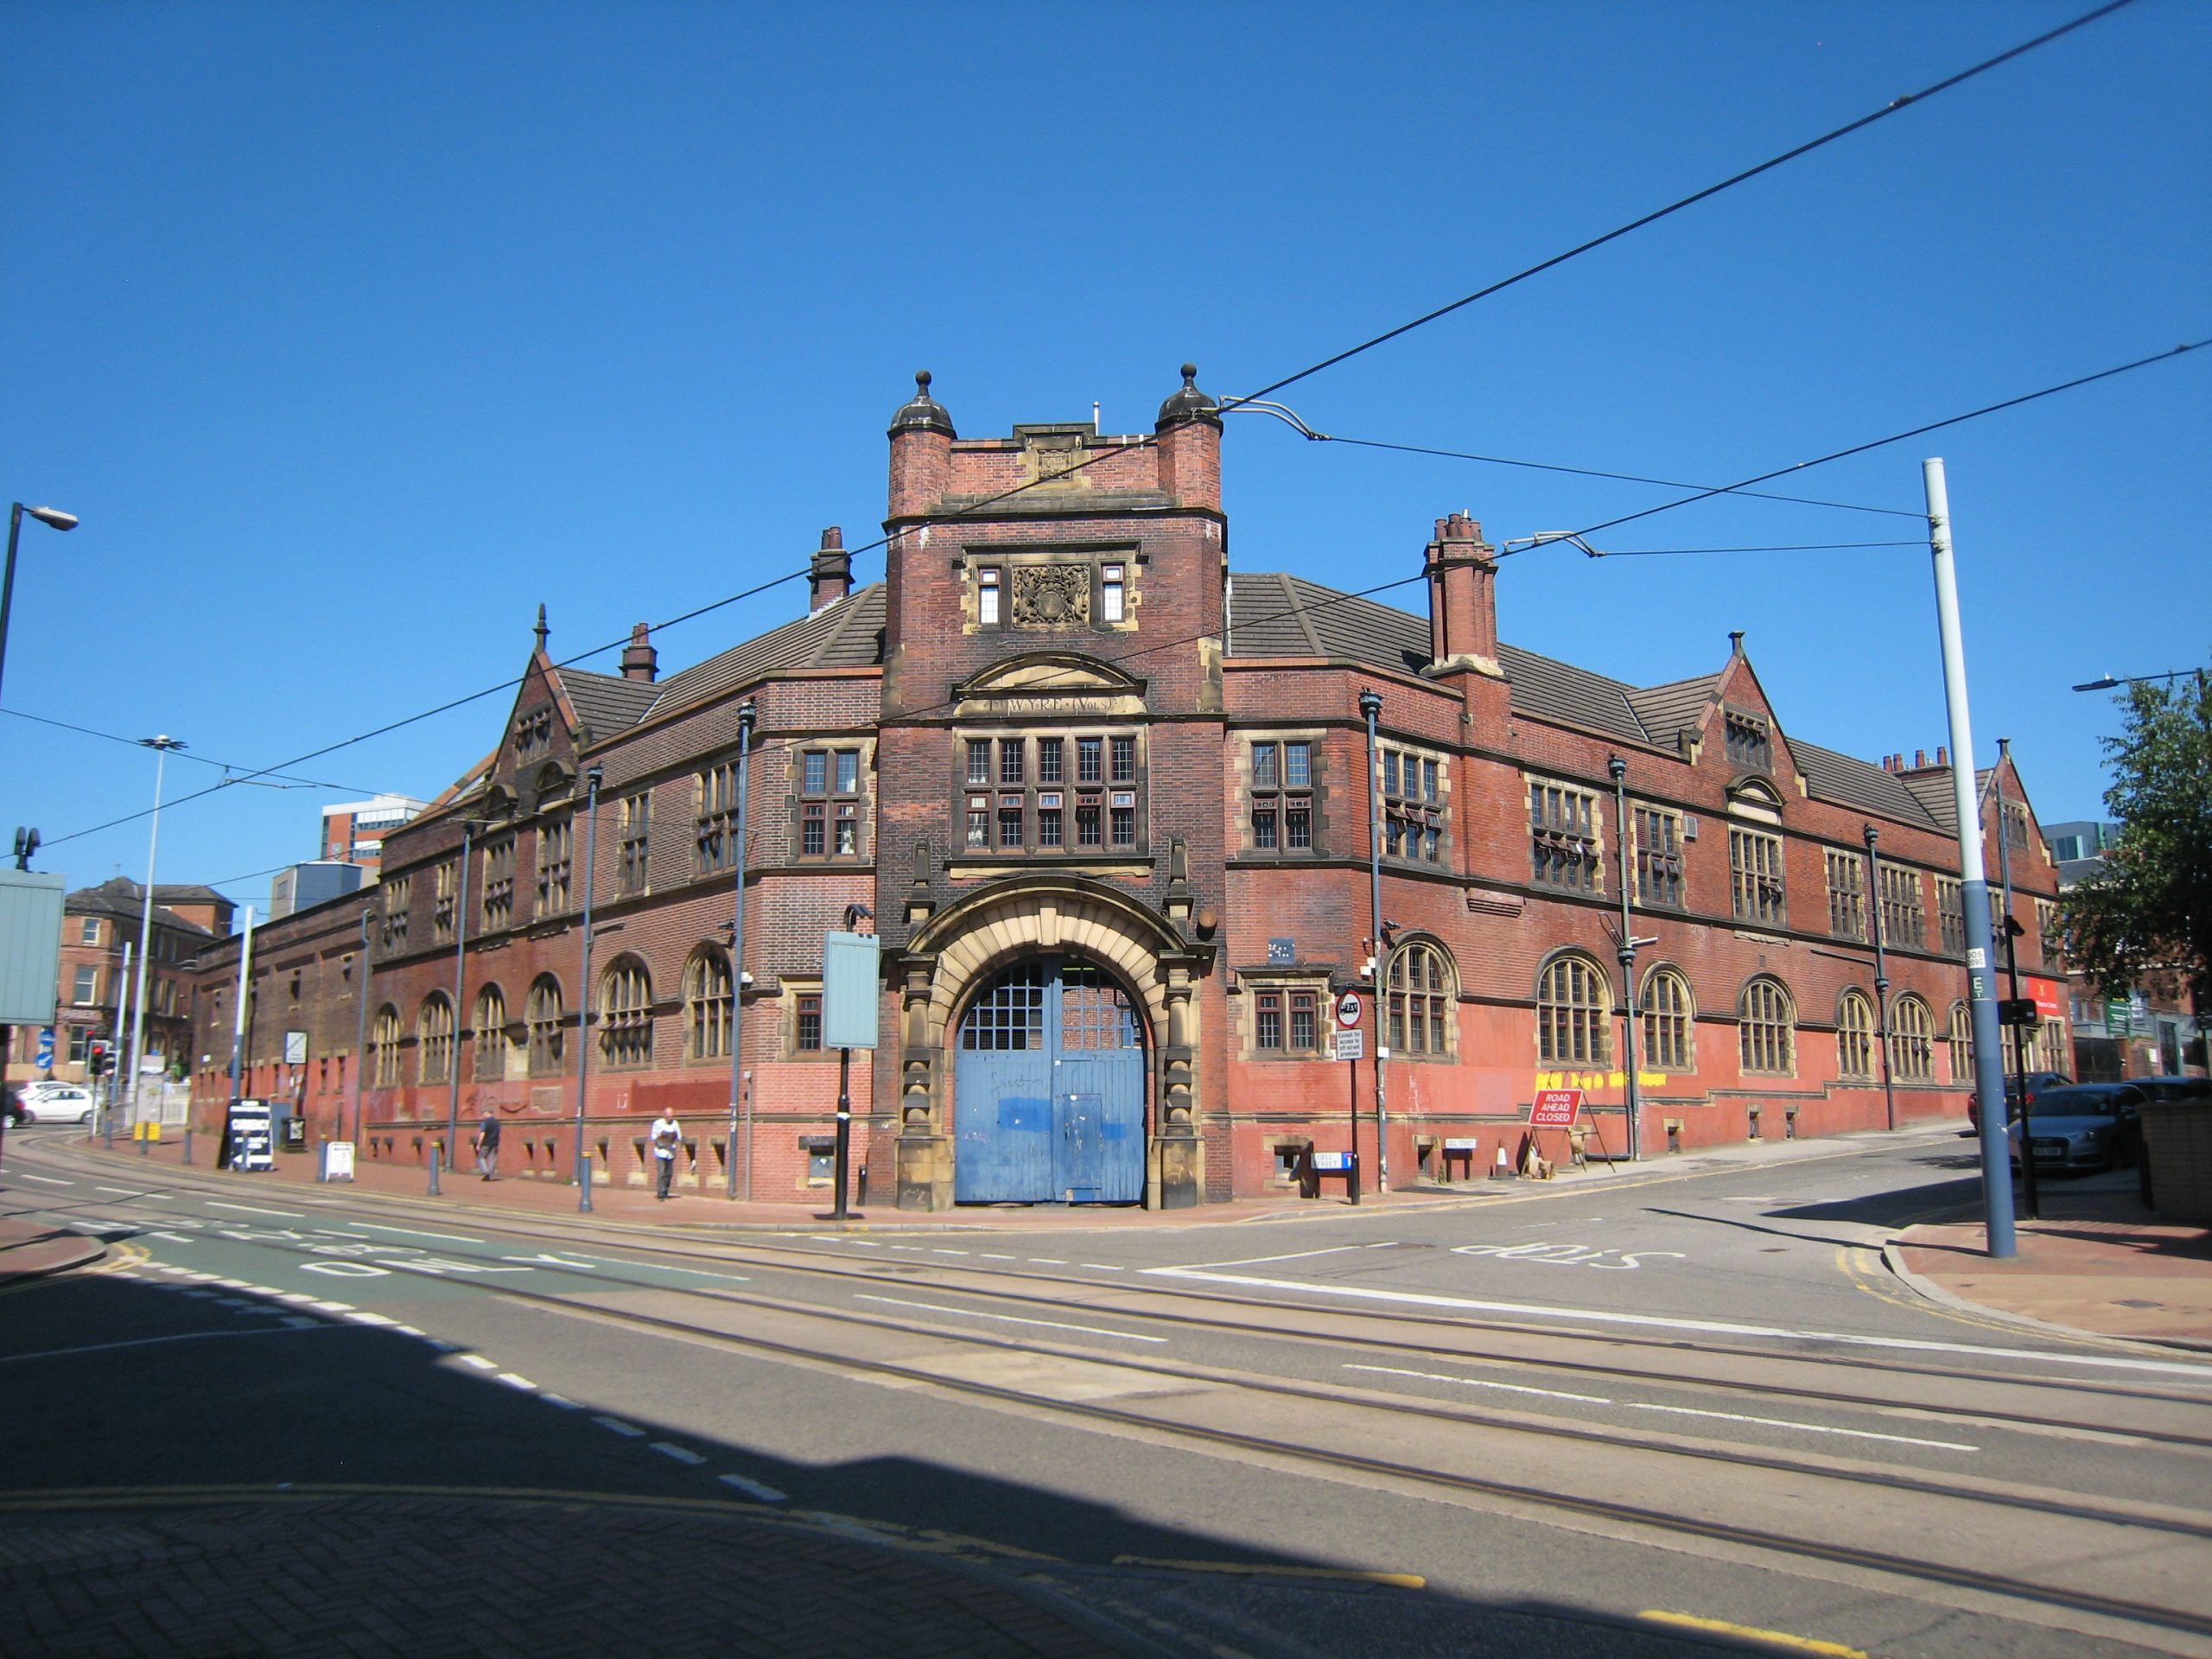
column 1281, row 952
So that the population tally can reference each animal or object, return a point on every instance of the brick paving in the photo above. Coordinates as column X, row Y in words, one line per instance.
column 428, row 1577
column 31, row 1249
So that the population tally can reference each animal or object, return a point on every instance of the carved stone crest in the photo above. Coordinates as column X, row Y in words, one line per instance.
column 1052, row 596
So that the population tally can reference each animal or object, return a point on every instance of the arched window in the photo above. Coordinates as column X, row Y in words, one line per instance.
column 1574, row 1006
column 1423, row 986
column 543, row 1016
column 384, row 1047
column 707, row 1005
column 1961, row 1045
column 490, row 1034
column 1912, row 1040
column 626, row 1013
column 1766, row 1028
column 434, row 1039
column 1667, row 1016
column 1854, row 1036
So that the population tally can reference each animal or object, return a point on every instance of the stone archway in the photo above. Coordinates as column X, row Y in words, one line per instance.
column 959, row 950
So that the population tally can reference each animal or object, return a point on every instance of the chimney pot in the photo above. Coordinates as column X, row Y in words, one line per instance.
column 831, row 570
column 1919, row 759
column 639, row 660
column 1942, row 755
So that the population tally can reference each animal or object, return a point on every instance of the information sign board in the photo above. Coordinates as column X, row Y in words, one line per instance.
column 1556, row 1108
column 249, row 1135
column 1332, row 1159
column 1352, row 1044
column 851, row 989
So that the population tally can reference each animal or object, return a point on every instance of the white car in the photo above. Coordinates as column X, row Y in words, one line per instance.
column 56, row 1102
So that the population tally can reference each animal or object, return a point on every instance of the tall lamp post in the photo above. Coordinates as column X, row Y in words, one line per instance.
column 1370, row 709
column 58, row 520
column 1881, row 971
column 746, row 715
column 1631, row 1099
column 592, row 779
column 161, row 747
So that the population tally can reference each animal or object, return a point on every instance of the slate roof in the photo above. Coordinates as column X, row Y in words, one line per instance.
column 1281, row 615
column 1852, row 782
column 608, row 702
column 121, row 897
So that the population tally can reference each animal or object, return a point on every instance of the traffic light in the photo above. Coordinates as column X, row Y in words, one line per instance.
column 96, row 1057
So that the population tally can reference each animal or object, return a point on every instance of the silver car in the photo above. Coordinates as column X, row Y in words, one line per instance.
column 2084, row 1126
column 55, row 1103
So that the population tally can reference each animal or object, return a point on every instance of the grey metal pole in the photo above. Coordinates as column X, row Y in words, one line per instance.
column 1974, row 895
column 8, row 583
column 1370, row 706
column 1630, row 1098
column 745, row 713
column 161, row 747
column 115, row 1054
column 459, row 966
column 2031, row 1191
column 237, row 1019
column 1881, row 972
column 591, row 778
column 361, row 1040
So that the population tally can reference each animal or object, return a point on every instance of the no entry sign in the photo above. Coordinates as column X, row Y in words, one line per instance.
column 1556, row 1108
column 1348, row 1010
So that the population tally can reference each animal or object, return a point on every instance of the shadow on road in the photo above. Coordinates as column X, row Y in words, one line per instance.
column 201, row 1469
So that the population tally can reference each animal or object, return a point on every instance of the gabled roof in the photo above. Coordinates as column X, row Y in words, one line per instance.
column 1851, row 782
column 606, row 702
column 1677, row 706
column 121, row 897
column 847, row 635
column 1547, row 690
column 1273, row 614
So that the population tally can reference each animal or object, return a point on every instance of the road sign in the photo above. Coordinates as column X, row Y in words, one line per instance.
column 45, row 1047
column 1348, row 1006
column 1556, row 1108
column 1352, row 1044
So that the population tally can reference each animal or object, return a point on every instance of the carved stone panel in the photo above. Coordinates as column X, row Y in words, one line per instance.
column 1052, row 596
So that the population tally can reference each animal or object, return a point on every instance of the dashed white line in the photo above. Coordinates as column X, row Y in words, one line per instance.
column 50, row 1180
column 1009, row 1318
column 479, row 1362
column 615, row 1424
column 255, row 1210
column 122, row 1192
column 994, row 1256
column 360, row 1317
column 561, row 1400
column 1047, row 1261
column 1483, row 1382
column 681, row 1453
column 863, row 1244
column 1100, row 1266
column 298, row 1296
column 1803, row 1428
column 938, row 1249
column 514, row 1382
column 331, row 1307
column 753, row 1489
column 416, row 1232
column 173, row 1238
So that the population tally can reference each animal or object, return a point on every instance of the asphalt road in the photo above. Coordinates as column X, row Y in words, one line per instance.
column 1689, row 1392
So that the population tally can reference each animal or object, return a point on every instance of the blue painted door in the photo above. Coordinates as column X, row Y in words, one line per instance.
column 1048, row 1090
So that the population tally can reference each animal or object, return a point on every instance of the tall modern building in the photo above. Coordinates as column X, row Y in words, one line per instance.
column 353, row 831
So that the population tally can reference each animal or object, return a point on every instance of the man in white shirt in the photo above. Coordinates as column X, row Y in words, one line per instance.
column 665, row 1137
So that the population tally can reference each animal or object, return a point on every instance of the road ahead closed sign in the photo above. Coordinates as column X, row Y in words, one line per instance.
column 1556, row 1108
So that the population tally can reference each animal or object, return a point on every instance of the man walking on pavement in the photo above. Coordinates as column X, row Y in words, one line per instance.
column 666, row 1135
column 488, row 1146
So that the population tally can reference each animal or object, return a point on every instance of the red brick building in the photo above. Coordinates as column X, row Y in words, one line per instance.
column 1109, row 804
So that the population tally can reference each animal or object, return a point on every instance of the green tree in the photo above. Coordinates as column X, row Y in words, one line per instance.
column 2148, row 913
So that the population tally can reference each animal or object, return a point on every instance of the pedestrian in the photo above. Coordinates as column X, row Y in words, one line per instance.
column 487, row 1146
column 666, row 1135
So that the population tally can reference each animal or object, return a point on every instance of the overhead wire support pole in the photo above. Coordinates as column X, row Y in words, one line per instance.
column 1631, row 1102
column 1371, row 707
column 747, row 713
column 238, row 1034
column 1974, row 895
column 459, row 966
column 2031, row 1189
column 591, row 778
column 1881, row 971
column 361, row 1034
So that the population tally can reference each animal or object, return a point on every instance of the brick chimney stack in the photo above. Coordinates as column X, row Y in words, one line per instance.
column 639, row 660
column 830, row 571
column 1462, row 599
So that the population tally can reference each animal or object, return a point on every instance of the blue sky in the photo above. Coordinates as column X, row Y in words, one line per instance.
column 355, row 332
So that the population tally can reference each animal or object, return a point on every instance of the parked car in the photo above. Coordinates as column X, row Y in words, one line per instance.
column 2085, row 1126
column 2033, row 1084
column 55, row 1102
column 2172, row 1088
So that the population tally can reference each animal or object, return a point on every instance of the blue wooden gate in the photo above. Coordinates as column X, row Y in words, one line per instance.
column 1048, row 1089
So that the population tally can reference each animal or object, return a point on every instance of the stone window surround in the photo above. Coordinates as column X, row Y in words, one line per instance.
column 1258, row 797
column 1072, row 792
column 1285, row 985
column 1007, row 561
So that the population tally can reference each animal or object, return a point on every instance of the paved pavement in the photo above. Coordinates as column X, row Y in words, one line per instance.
column 31, row 1249
column 437, row 1574
column 2097, row 1262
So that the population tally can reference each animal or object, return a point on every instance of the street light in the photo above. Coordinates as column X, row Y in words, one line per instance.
column 2114, row 682
column 58, row 520
column 161, row 747
column 593, row 777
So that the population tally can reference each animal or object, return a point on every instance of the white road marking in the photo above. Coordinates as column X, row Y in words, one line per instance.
column 361, row 1317
column 753, row 1489
column 124, row 1191
column 994, row 1256
column 620, row 1428
column 1295, row 1256
column 173, row 1238
column 479, row 1362
column 863, row 1244
column 681, row 1453
column 142, row 1342
column 295, row 1296
column 545, row 1260
column 407, row 1330
column 234, row 1284
column 264, row 1290
column 696, row 1273
column 50, row 1180
column 299, row 1321
column 938, row 1249
column 561, row 1400
column 413, row 1232
column 1710, row 1327
column 254, row 1210
column 514, row 1382
column 1484, row 1383
column 1099, row 1267
column 331, row 1307
column 1802, row 1428
column 1047, row 1261
column 1009, row 1318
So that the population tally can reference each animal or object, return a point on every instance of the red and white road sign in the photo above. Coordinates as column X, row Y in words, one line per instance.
column 1347, row 1007
column 1556, row 1108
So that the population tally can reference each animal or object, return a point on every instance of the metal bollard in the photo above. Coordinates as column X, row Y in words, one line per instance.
column 583, row 1184
column 437, row 1156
